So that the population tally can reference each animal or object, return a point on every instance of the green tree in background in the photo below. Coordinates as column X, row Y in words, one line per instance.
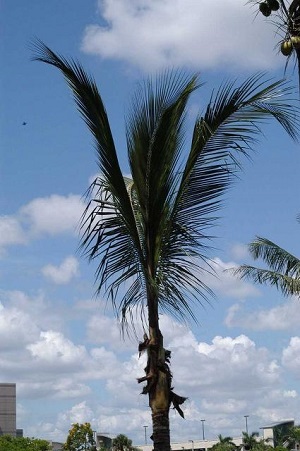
column 250, row 440
column 224, row 444
column 149, row 234
column 80, row 438
column 293, row 437
column 283, row 268
column 123, row 443
column 9, row 443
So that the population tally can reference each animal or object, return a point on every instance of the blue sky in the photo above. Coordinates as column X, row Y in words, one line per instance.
column 60, row 345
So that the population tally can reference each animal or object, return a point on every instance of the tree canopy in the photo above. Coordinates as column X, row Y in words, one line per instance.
column 9, row 443
column 123, row 443
column 80, row 438
column 149, row 233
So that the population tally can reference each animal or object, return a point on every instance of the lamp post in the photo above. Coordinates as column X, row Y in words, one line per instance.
column 203, row 435
column 246, row 418
column 145, row 427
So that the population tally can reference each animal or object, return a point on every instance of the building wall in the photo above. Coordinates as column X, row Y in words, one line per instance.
column 192, row 445
column 8, row 409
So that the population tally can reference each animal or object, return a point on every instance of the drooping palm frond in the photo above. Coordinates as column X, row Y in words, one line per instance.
column 230, row 127
column 109, row 228
column 149, row 233
column 283, row 268
column 225, row 132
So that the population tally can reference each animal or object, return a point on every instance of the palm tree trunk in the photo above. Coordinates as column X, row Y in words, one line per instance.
column 161, row 431
column 159, row 383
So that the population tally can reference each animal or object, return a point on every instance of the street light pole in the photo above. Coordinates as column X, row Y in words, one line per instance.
column 145, row 427
column 192, row 444
column 203, row 435
column 246, row 418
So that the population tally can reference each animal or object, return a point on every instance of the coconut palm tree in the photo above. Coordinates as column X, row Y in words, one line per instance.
column 284, row 15
column 149, row 233
column 224, row 444
column 283, row 270
column 292, row 437
column 250, row 440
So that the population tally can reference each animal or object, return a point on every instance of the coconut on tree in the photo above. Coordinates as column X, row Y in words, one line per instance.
column 285, row 16
column 149, row 234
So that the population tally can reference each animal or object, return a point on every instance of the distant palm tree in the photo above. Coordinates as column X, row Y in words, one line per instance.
column 224, row 444
column 283, row 270
column 250, row 440
column 293, row 437
column 149, row 233
column 225, row 440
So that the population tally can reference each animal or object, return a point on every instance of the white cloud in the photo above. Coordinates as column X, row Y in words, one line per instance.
column 224, row 363
column 63, row 273
column 283, row 317
column 16, row 327
column 79, row 413
column 230, row 406
column 53, row 215
column 226, row 284
column 277, row 405
column 239, row 251
column 291, row 356
column 39, row 310
column 55, row 350
column 223, row 377
column 105, row 330
column 11, row 231
column 196, row 34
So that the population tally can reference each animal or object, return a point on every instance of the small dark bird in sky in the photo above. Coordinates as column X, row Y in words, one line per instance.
column 24, row 123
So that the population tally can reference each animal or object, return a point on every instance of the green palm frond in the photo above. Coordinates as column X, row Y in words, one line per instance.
column 277, row 258
column 225, row 131
column 149, row 233
column 283, row 268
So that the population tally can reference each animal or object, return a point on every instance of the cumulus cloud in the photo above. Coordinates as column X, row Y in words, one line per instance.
column 55, row 350
column 152, row 34
column 51, row 215
column 63, row 273
column 291, row 356
column 283, row 317
column 229, row 406
column 37, row 307
column 16, row 327
column 105, row 330
column 11, row 231
column 222, row 377
column 239, row 251
column 247, row 367
column 226, row 284
column 79, row 413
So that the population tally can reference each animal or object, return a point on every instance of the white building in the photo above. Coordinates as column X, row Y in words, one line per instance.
column 191, row 445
